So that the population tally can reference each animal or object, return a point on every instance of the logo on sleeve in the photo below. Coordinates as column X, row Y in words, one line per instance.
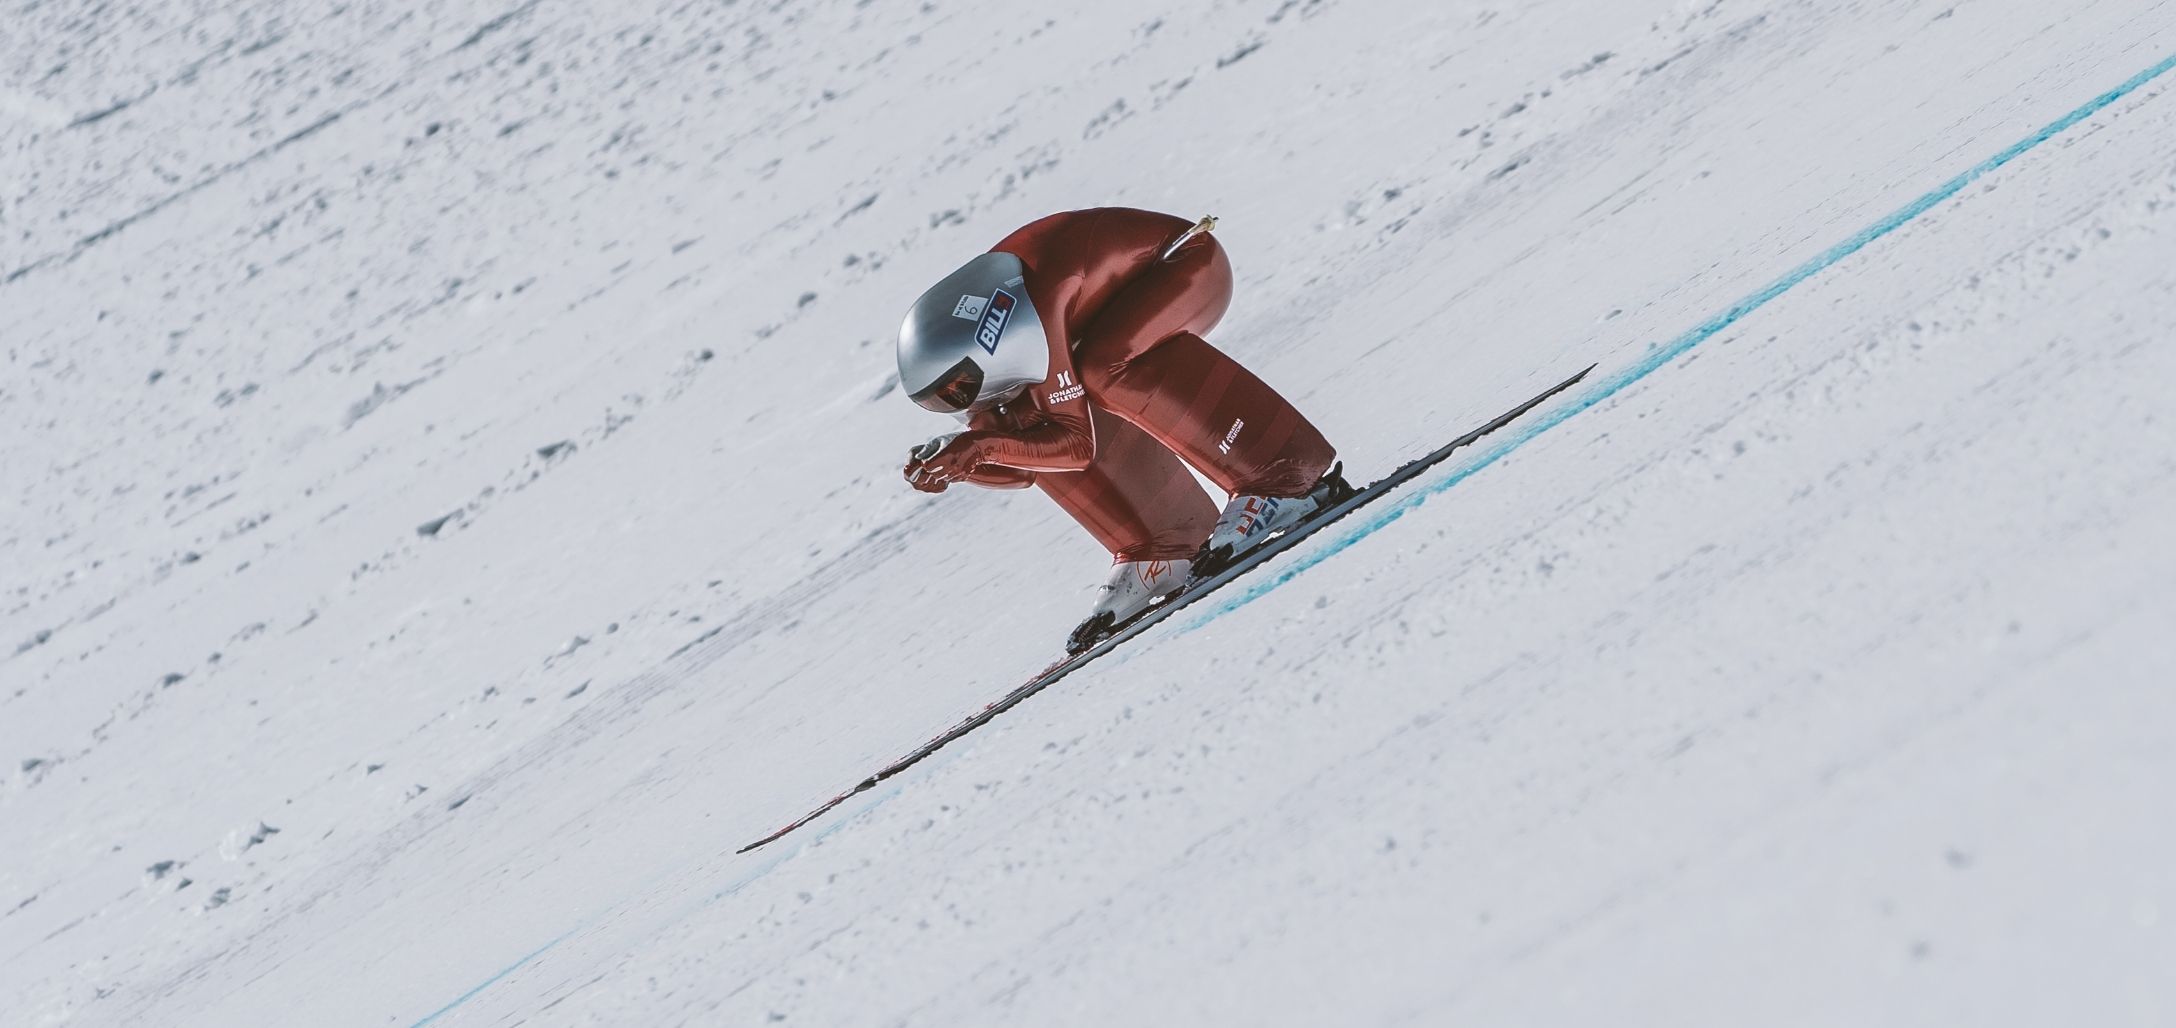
column 994, row 318
column 1067, row 391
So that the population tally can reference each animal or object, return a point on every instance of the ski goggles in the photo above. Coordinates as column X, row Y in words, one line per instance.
column 953, row 391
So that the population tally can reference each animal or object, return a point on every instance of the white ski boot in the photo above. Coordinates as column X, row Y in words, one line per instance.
column 1250, row 521
column 1134, row 586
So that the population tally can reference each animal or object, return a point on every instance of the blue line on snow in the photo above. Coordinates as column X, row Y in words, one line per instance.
column 1656, row 358
column 738, row 884
column 487, row 983
column 742, row 882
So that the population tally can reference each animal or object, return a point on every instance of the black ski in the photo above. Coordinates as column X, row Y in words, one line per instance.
column 1194, row 590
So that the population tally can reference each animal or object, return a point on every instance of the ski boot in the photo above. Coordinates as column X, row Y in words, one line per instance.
column 1134, row 587
column 1250, row 521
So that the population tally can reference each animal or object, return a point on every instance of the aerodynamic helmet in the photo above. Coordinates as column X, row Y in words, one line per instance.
column 973, row 339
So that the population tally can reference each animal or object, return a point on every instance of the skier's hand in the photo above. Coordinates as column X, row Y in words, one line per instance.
column 922, row 479
column 953, row 458
column 917, row 471
column 929, row 449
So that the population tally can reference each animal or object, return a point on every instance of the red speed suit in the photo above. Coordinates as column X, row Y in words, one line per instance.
column 1132, row 383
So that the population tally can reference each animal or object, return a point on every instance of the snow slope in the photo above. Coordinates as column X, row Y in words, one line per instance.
column 451, row 456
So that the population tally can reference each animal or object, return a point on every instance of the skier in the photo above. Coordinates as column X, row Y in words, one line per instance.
column 1073, row 352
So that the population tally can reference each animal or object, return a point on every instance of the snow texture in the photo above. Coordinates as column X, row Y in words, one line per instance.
column 451, row 456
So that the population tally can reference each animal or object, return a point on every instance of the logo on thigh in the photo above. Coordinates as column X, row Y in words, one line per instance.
column 1231, row 436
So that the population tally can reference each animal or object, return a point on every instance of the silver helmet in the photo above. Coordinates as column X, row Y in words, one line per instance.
column 974, row 339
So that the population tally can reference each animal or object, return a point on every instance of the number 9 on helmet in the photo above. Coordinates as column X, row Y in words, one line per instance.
column 974, row 340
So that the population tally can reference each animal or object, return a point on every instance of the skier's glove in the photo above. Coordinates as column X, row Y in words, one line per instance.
column 954, row 460
column 919, row 472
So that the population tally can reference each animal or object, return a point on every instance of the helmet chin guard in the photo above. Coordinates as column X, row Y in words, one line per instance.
column 974, row 339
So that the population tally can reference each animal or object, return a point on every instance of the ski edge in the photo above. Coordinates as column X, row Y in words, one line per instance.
column 1155, row 615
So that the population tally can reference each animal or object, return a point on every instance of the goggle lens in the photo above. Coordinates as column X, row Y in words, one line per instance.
column 953, row 391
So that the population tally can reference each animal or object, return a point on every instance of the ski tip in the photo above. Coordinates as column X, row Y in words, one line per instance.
column 789, row 829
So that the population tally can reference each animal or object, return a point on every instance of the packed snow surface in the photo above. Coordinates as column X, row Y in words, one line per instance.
column 451, row 464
